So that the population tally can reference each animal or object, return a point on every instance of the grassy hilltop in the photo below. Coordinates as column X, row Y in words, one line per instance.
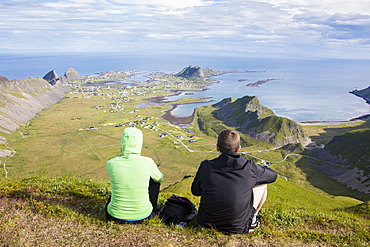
column 70, row 211
column 57, row 185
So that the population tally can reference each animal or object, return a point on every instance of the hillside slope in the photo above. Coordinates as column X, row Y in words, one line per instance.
column 70, row 212
column 353, row 148
column 248, row 116
column 21, row 100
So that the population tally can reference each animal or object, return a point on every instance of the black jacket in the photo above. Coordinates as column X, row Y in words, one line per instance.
column 225, row 185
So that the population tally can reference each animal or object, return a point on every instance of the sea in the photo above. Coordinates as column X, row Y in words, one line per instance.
column 301, row 89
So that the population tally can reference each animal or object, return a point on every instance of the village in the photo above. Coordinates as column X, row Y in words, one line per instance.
column 118, row 90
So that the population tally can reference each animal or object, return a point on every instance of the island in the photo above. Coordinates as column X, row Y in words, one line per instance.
column 261, row 82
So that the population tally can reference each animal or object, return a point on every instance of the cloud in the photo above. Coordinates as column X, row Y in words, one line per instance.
column 170, row 4
column 327, row 6
column 259, row 25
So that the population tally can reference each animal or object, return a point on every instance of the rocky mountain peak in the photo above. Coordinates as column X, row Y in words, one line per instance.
column 51, row 75
column 191, row 72
column 71, row 74
column 195, row 72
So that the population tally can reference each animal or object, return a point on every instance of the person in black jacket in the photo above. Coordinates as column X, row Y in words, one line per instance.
column 232, row 188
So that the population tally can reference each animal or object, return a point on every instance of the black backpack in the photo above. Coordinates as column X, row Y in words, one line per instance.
column 177, row 209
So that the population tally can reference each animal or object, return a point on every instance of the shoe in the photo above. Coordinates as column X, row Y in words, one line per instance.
column 256, row 224
column 181, row 224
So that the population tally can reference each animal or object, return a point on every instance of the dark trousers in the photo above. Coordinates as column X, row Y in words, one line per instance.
column 153, row 197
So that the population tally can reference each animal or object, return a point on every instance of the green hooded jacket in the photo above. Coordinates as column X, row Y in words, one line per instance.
column 129, row 175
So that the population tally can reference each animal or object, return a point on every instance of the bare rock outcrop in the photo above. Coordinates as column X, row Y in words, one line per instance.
column 355, row 179
column 51, row 77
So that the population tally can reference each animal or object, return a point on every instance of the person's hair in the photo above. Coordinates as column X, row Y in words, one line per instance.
column 228, row 140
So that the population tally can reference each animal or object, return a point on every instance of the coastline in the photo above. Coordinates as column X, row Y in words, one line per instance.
column 360, row 118
column 185, row 121
column 167, row 115
column 356, row 92
column 179, row 121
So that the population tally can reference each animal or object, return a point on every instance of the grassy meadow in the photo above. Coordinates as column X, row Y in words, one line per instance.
column 70, row 212
column 72, row 138
column 57, row 184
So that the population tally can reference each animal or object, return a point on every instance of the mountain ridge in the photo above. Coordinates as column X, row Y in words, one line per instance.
column 250, row 117
column 21, row 100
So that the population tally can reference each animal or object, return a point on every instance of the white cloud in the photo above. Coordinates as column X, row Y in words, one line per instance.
column 328, row 6
column 164, row 36
column 171, row 4
column 293, row 25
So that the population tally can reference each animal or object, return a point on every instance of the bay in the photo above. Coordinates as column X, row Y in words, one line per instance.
column 305, row 89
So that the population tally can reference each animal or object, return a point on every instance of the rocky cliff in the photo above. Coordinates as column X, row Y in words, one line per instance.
column 248, row 116
column 51, row 77
column 21, row 100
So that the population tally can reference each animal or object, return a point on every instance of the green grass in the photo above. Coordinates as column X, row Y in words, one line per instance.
column 246, row 114
column 354, row 145
column 323, row 133
column 58, row 184
column 53, row 145
column 70, row 211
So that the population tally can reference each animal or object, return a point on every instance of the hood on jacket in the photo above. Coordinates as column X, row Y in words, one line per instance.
column 229, row 161
column 131, row 141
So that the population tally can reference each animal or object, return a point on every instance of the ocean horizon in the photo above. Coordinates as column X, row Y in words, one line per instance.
column 302, row 89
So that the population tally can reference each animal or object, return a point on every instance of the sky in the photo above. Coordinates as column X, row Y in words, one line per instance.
column 318, row 28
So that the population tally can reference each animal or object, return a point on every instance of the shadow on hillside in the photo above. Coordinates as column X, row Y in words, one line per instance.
column 361, row 209
column 321, row 180
column 60, row 203
column 331, row 132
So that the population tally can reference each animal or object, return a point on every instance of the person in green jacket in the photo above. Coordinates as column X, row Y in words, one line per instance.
column 135, row 181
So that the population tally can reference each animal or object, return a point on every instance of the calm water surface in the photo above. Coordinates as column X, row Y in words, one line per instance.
column 307, row 89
